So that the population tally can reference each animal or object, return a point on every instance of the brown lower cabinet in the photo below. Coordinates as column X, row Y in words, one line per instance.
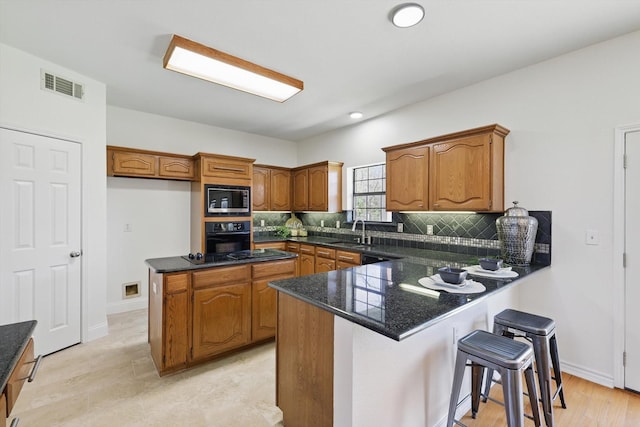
column 3, row 410
column 307, row 259
column 198, row 315
column 304, row 363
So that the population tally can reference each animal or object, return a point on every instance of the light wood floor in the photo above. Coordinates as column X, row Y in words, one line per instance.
column 588, row 405
column 112, row 382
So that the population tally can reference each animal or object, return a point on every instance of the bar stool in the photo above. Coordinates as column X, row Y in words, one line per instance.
column 510, row 358
column 541, row 332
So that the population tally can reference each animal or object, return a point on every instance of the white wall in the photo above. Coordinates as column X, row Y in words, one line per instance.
column 559, row 157
column 159, row 210
column 24, row 106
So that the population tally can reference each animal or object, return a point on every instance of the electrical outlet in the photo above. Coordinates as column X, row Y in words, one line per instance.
column 400, row 227
column 429, row 229
column 262, row 223
column 337, row 224
column 322, row 223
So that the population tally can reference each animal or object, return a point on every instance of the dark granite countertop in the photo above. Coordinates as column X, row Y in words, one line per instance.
column 178, row 263
column 13, row 340
column 371, row 295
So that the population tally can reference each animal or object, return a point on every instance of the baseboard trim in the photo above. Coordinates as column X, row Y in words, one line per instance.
column 127, row 305
column 97, row 331
column 587, row 374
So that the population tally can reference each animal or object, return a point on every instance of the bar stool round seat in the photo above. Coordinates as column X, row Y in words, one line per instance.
column 510, row 358
column 541, row 332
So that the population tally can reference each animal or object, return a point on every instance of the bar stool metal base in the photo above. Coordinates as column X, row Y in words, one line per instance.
column 540, row 331
column 510, row 358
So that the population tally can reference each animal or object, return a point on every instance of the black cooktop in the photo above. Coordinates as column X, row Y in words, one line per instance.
column 214, row 258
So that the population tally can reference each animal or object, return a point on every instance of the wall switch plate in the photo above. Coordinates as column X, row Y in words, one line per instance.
column 262, row 223
column 322, row 223
column 429, row 229
column 592, row 237
column 128, row 228
column 337, row 224
column 400, row 227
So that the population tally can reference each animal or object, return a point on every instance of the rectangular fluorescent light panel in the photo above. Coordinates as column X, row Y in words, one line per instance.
column 197, row 60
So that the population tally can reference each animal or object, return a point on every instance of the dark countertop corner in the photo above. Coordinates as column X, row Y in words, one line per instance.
column 13, row 340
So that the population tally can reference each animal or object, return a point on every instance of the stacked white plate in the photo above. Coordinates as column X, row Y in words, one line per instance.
column 502, row 273
column 436, row 283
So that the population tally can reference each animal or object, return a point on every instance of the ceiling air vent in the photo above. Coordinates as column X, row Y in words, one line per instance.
column 49, row 81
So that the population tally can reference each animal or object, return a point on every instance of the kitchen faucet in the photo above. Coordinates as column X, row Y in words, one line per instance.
column 363, row 240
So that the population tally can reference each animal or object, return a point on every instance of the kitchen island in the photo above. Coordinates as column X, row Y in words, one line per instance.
column 368, row 346
column 201, row 309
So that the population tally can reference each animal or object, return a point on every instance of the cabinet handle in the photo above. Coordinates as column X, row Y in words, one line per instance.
column 34, row 370
column 15, row 422
column 346, row 258
column 228, row 168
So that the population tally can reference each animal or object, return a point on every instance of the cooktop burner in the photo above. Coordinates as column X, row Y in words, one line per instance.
column 199, row 258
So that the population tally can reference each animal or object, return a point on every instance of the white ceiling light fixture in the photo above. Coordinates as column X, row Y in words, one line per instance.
column 407, row 15
column 355, row 115
column 197, row 60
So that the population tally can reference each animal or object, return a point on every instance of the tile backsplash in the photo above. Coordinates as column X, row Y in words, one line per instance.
column 468, row 233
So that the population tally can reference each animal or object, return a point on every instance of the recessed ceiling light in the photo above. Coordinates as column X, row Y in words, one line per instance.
column 355, row 115
column 407, row 15
column 197, row 60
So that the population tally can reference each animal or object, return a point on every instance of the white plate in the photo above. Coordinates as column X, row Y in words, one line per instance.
column 467, row 287
column 503, row 273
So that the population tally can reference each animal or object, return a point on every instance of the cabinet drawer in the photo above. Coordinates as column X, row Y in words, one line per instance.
column 19, row 375
column 176, row 282
column 134, row 164
column 173, row 167
column 348, row 257
column 266, row 269
column 325, row 252
column 221, row 276
column 307, row 249
column 270, row 245
column 292, row 247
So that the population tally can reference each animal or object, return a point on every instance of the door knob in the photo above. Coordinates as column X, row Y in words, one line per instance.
column 75, row 254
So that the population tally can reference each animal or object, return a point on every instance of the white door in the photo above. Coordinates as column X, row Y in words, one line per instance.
column 40, row 224
column 632, row 270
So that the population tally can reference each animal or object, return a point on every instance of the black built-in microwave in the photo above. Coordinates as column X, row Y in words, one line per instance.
column 227, row 200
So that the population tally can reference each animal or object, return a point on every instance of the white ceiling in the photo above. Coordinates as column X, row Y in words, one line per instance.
column 348, row 54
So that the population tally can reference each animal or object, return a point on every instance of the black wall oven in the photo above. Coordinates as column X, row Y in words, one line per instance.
column 225, row 237
column 227, row 200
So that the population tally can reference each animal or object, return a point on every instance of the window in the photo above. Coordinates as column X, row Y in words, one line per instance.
column 369, row 202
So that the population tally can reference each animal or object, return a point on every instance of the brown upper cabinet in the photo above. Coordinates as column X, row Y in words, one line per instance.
column 219, row 169
column 317, row 187
column 128, row 162
column 462, row 171
column 271, row 188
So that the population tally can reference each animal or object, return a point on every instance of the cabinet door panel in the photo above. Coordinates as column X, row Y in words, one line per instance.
column 280, row 190
column 461, row 174
column 261, row 189
column 408, row 179
column 318, row 190
column 301, row 190
column 263, row 316
column 173, row 167
column 175, row 335
column 307, row 264
column 221, row 319
column 324, row 265
column 134, row 164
